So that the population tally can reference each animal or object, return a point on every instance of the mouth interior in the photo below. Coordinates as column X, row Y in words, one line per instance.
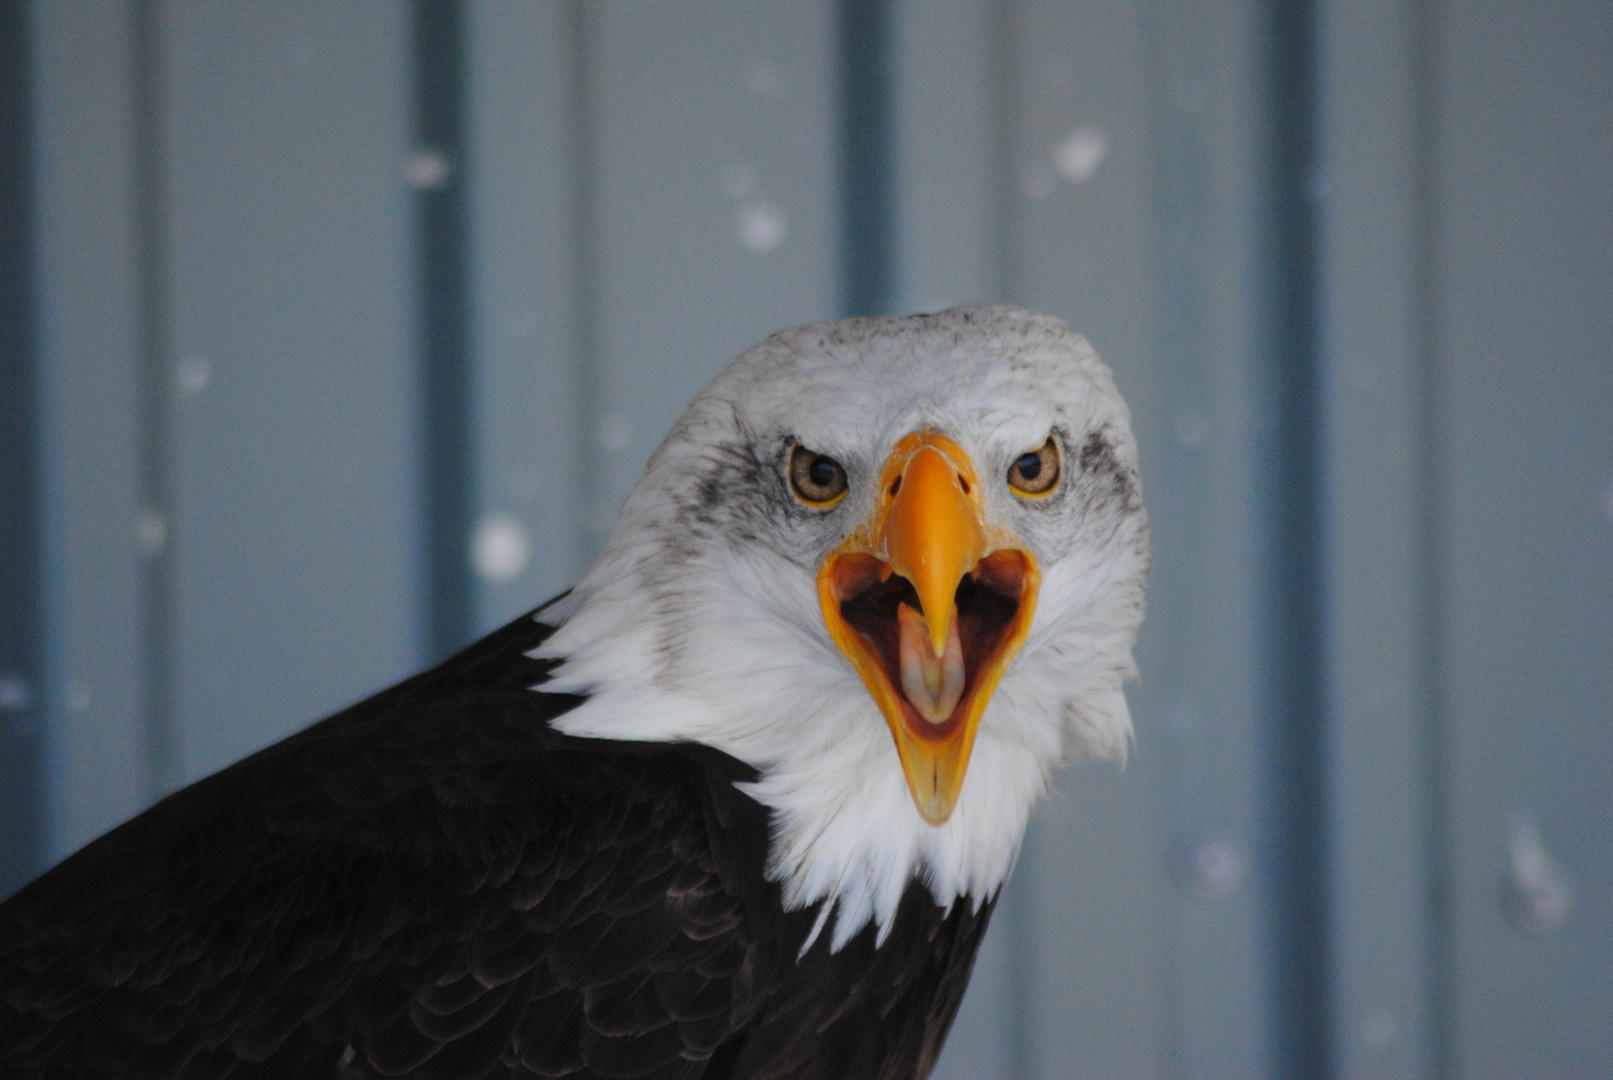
column 873, row 599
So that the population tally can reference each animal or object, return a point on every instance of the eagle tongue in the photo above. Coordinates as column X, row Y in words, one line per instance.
column 933, row 684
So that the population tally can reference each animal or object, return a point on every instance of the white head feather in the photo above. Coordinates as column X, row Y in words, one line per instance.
column 701, row 619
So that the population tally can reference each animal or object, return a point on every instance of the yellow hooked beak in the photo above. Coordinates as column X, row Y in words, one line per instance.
column 930, row 604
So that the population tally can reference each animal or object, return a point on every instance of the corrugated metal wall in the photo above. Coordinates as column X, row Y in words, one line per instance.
column 1351, row 261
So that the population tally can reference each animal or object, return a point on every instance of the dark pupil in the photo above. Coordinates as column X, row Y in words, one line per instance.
column 822, row 471
column 1029, row 466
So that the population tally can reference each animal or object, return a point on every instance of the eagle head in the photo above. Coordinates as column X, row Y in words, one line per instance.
column 895, row 565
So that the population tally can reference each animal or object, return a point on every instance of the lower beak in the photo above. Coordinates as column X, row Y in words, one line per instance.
column 930, row 604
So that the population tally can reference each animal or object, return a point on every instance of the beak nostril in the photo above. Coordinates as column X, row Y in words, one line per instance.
column 964, row 484
column 896, row 485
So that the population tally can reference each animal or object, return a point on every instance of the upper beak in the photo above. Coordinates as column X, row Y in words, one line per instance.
column 929, row 603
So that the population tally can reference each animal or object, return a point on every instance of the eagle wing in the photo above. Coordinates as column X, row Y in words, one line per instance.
column 433, row 882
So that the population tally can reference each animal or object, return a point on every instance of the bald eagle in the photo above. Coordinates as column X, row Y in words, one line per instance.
column 738, row 805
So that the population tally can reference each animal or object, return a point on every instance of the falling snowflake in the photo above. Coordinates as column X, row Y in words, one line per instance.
column 1080, row 154
column 500, row 550
column 761, row 227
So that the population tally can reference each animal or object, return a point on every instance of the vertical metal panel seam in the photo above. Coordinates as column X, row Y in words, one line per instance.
column 867, row 195
column 1295, row 705
column 443, row 320
column 21, row 555
column 154, row 532
column 587, row 514
column 1430, row 556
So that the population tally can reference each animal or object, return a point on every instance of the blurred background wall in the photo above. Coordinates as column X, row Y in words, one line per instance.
column 334, row 333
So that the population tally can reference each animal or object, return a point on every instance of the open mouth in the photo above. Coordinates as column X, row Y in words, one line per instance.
column 934, row 693
column 932, row 700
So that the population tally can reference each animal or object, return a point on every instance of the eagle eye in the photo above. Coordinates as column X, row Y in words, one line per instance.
column 1036, row 472
column 818, row 480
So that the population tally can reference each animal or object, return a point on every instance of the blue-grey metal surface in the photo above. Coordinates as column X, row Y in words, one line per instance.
column 1380, row 813
column 1522, row 262
column 154, row 444
column 1292, row 657
column 1200, row 424
column 439, row 47
column 947, row 243
column 89, row 398
column 864, row 50
column 21, row 555
column 527, row 540
column 297, row 568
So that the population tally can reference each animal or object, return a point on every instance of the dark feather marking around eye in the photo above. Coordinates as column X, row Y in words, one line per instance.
column 737, row 479
column 744, row 491
column 1097, row 459
column 1097, row 454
